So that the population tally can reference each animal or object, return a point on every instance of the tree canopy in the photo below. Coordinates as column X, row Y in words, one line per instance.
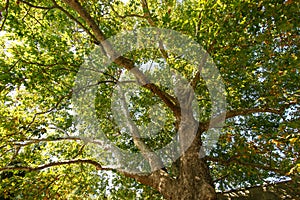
column 46, row 47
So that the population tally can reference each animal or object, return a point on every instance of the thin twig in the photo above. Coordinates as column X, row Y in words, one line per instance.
column 6, row 14
column 38, row 7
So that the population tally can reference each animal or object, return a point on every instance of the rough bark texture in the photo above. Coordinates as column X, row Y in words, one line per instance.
column 193, row 182
column 194, row 179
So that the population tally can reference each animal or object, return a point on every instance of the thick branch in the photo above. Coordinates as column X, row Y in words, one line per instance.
column 158, row 180
column 75, row 20
column 235, row 113
column 154, row 161
column 120, row 60
column 68, row 162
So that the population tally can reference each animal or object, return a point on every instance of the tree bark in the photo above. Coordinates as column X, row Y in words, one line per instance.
column 194, row 181
column 194, row 184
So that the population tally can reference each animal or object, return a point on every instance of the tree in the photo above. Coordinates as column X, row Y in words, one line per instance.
column 254, row 46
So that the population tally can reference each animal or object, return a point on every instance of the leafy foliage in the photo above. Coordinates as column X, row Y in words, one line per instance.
column 255, row 45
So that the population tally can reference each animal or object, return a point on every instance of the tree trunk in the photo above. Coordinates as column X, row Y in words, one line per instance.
column 194, row 181
column 194, row 184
